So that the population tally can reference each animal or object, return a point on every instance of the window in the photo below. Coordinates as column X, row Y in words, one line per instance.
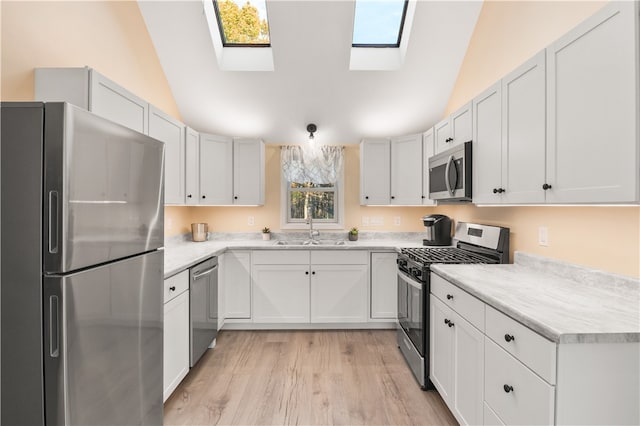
column 307, row 197
column 378, row 23
column 243, row 23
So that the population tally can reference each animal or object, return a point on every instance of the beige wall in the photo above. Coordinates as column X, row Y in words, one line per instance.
column 109, row 36
column 507, row 33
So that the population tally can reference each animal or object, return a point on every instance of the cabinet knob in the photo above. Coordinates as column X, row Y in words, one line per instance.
column 448, row 140
column 446, row 321
column 204, row 196
column 189, row 196
column 393, row 198
column 509, row 337
column 508, row 388
column 423, row 197
column 495, row 190
column 451, row 324
column 449, row 296
column 501, row 190
column 546, row 186
column 172, row 288
column 235, row 198
column 313, row 273
column 306, row 272
column 366, row 197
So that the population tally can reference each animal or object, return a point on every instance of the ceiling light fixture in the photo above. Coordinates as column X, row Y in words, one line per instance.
column 311, row 128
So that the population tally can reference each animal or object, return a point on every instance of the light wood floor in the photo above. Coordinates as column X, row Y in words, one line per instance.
column 304, row 377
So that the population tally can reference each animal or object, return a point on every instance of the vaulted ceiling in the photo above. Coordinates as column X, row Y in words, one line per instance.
column 311, row 83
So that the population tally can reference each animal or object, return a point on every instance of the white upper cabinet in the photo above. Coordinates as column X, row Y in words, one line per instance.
column 454, row 130
column 192, row 166
column 88, row 89
column 170, row 131
column 375, row 171
column 487, row 146
column 428, row 151
column 406, row 170
column 592, row 75
column 248, row 172
column 524, row 132
column 216, row 170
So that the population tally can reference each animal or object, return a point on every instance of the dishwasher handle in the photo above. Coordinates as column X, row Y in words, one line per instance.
column 204, row 273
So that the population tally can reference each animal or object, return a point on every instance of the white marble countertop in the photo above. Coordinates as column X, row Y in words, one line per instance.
column 563, row 302
column 181, row 255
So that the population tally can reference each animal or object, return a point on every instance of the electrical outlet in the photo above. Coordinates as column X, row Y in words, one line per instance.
column 543, row 236
column 396, row 220
column 365, row 220
column 250, row 221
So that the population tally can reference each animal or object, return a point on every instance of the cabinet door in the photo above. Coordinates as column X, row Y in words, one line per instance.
column 592, row 153
column 468, row 373
column 487, row 146
column 406, row 170
column 339, row 293
column 442, row 134
column 115, row 103
column 216, row 170
column 375, row 171
column 171, row 132
column 248, row 172
column 428, row 151
column 523, row 132
column 384, row 282
column 441, row 349
column 461, row 126
column 175, row 362
column 280, row 293
column 237, row 284
column 192, row 166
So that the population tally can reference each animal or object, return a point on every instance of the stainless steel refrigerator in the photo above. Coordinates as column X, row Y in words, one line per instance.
column 82, row 271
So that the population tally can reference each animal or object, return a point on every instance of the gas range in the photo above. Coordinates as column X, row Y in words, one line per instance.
column 475, row 244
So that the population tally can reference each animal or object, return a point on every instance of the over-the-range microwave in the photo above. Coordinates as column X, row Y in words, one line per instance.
column 450, row 175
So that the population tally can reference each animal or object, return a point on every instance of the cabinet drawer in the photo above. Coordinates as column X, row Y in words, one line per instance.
column 339, row 257
column 466, row 305
column 280, row 257
column 515, row 393
column 533, row 350
column 176, row 285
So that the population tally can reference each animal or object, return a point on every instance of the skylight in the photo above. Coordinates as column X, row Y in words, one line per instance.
column 378, row 23
column 243, row 23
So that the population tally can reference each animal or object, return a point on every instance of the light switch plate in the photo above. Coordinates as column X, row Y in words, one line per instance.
column 250, row 220
column 396, row 220
column 543, row 236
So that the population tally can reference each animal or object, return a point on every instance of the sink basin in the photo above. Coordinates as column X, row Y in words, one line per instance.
column 310, row 243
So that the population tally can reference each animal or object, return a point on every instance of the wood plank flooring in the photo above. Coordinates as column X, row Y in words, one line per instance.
column 336, row 377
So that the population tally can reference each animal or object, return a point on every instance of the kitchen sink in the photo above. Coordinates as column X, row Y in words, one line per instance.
column 310, row 243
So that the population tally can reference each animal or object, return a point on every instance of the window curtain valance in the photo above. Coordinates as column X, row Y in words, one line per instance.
column 317, row 164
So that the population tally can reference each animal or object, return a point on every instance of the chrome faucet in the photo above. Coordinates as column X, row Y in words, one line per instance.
column 312, row 233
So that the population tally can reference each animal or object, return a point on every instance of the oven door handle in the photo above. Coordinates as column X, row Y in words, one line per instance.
column 412, row 282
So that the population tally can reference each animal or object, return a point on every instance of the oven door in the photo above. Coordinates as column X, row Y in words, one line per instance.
column 411, row 310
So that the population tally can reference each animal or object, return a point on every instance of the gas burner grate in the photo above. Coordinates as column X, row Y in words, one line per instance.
column 444, row 255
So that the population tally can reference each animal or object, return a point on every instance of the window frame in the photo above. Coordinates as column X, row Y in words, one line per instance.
column 285, row 208
column 383, row 45
column 223, row 38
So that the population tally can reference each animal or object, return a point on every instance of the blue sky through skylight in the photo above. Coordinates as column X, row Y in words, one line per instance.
column 377, row 21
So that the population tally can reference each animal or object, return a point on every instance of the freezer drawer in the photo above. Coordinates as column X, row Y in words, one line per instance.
column 103, row 344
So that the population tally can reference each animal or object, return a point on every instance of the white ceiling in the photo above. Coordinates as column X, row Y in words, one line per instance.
column 311, row 83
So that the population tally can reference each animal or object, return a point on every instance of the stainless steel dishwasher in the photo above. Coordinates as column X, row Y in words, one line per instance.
column 203, row 307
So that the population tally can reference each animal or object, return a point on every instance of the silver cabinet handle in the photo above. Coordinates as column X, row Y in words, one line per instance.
column 207, row 272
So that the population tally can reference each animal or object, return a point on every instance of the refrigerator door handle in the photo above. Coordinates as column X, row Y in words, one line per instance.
column 54, row 327
column 53, row 221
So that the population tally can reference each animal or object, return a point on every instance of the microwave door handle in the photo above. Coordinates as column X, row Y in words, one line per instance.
column 447, row 169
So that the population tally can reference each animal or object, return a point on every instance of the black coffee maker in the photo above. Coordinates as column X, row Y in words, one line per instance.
column 438, row 229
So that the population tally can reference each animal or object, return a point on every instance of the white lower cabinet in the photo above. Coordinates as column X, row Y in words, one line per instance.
column 457, row 362
column 339, row 293
column 175, row 364
column 281, row 293
column 384, row 286
column 237, row 282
